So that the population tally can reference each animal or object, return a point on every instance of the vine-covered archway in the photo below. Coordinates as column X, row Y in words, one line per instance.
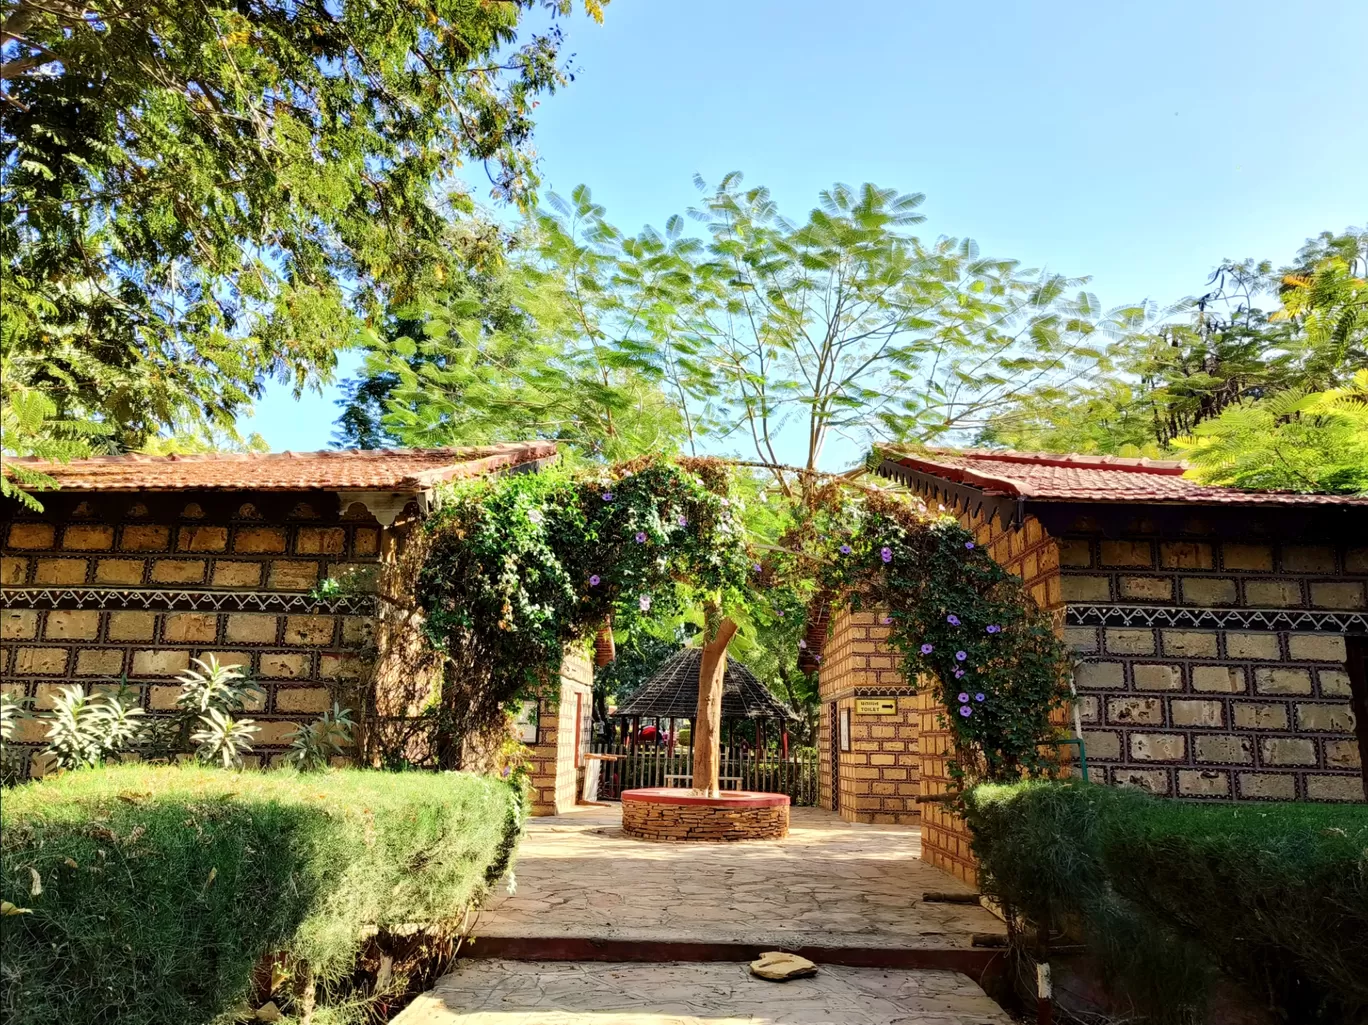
column 519, row 567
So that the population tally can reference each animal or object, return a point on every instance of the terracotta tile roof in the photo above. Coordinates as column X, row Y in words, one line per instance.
column 1083, row 478
column 411, row 469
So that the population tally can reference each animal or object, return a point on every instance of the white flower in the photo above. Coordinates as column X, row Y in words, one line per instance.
column 535, row 515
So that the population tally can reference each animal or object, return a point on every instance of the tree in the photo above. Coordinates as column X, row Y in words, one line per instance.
column 1229, row 379
column 199, row 197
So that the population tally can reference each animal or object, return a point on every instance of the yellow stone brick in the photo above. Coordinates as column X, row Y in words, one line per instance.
column 309, row 630
column 1334, row 788
column 315, row 700
column 1337, row 594
column 1287, row 751
column 1203, row 783
column 1209, row 592
column 1317, row 647
column 1157, row 677
column 1127, row 553
column 236, row 574
column 320, row 541
column 1197, row 713
column 1334, row 683
column 1247, row 557
column 1332, row 718
column 286, row 575
column 40, row 661
column 18, row 624
column 1342, row 754
column 202, row 539
column 132, row 626
column 1078, row 587
column 1273, row 593
column 119, row 572
column 1252, row 645
column 190, row 626
column 1147, row 588
column 1102, row 744
column 266, row 540
column 1130, row 641
column 274, row 733
column 88, row 538
column 99, row 662
column 160, row 662
column 1132, row 711
column 1308, row 559
column 1218, row 679
column 251, row 628
column 1185, row 555
column 178, row 571
column 1250, row 715
column 31, row 536
column 1268, row 785
column 60, row 572
column 1188, row 643
column 283, row 665
column 1282, row 681
column 13, row 571
column 1224, row 749
column 67, row 624
column 145, row 539
column 365, row 541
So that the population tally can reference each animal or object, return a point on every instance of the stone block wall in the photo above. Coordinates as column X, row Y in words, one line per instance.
column 877, row 779
column 101, row 588
column 554, row 760
column 1215, row 668
column 945, row 836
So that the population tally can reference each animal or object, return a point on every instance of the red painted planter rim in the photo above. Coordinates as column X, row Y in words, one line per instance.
column 729, row 798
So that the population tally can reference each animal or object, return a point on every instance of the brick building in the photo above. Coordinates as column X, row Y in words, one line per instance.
column 138, row 564
column 1219, row 637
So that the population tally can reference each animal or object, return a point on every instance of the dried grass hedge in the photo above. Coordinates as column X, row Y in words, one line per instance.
column 154, row 893
column 1167, row 893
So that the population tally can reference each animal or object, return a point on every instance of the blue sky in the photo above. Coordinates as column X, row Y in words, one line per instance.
column 1138, row 143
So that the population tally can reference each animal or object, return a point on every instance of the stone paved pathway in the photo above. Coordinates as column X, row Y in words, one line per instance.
column 830, row 883
column 493, row 992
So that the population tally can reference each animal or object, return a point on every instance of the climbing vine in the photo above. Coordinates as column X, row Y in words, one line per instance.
column 961, row 623
column 518, row 567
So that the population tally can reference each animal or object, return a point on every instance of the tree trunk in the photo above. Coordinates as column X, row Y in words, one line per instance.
column 707, row 728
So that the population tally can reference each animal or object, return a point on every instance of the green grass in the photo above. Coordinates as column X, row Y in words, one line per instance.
column 1167, row 893
column 162, row 888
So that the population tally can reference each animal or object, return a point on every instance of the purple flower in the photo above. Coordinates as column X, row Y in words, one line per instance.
column 607, row 496
column 968, row 544
column 953, row 620
column 926, row 649
column 641, row 537
column 802, row 643
column 886, row 554
column 966, row 711
column 644, row 602
column 845, row 549
column 887, row 620
column 817, row 658
column 757, row 567
column 683, row 520
column 963, row 698
column 959, row 673
column 594, row 581
column 980, row 696
column 960, row 656
column 506, row 770
column 779, row 613
column 993, row 628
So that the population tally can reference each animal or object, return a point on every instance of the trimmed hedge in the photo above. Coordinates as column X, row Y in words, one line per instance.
column 155, row 891
column 1168, row 892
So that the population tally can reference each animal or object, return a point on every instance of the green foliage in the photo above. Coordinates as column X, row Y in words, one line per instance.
column 1293, row 441
column 223, row 739
column 85, row 729
column 1256, row 399
column 962, row 623
column 162, row 888
column 520, row 566
column 1167, row 892
column 639, row 654
column 312, row 747
column 201, row 197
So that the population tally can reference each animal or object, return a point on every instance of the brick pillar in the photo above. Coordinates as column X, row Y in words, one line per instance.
column 553, row 759
column 945, row 835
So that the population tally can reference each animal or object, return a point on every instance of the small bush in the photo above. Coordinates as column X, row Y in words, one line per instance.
column 1168, row 892
column 153, row 892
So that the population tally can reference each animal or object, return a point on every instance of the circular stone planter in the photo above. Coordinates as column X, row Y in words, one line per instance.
column 678, row 814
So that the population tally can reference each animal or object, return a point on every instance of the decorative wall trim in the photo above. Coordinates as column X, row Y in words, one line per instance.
column 1220, row 619
column 957, row 497
column 162, row 600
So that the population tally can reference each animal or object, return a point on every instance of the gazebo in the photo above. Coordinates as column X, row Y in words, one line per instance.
column 670, row 695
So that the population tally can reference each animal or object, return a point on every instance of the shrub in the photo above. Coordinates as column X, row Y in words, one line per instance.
column 153, row 892
column 1167, row 893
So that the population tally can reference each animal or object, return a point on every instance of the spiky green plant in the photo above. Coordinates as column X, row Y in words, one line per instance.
column 85, row 729
column 223, row 739
column 312, row 746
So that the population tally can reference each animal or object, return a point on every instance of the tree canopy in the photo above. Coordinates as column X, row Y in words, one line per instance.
column 201, row 197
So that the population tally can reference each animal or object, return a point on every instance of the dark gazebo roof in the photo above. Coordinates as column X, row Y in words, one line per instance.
column 672, row 692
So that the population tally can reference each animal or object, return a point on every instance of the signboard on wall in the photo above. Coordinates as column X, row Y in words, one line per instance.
column 876, row 706
column 526, row 722
column 845, row 729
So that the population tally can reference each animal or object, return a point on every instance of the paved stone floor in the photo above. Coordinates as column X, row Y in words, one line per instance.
column 830, row 883
column 493, row 992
